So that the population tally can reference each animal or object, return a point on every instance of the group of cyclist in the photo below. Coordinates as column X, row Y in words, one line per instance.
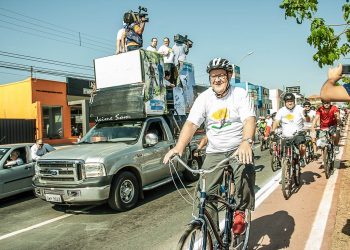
column 230, row 120
column 292, row 120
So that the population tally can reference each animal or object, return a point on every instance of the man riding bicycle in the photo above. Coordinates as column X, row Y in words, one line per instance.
column 229, row 116
column 261, row 127
column 291, row 117
column 309, row 115
column 328, row 115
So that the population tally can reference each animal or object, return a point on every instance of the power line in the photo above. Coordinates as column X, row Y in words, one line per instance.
column 49, row 33
column 42, row 21
column 42, row 60
column 36, row 35
column 48, row 71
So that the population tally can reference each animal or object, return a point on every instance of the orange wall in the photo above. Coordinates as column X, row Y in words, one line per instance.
column 16, row 101
column 52, row 93
column 25, row 99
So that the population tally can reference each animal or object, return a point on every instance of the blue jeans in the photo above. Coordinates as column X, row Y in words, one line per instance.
column 133, row 47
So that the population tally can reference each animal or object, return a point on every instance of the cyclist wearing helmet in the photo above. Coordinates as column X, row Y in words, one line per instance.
column 309, row 115
column 291, row 117
column 328, row 115
column 229, row 117
column 261, row 127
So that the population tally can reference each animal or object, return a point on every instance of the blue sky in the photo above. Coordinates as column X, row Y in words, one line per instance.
column 221, row 28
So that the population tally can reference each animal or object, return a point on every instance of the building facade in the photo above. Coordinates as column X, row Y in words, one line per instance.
column 264, row 102
column 275, row 96
column 50, row 105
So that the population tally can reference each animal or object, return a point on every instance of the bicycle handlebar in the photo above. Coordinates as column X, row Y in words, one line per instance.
column 203, row 171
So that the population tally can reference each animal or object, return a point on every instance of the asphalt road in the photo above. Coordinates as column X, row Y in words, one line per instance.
column 156, row 223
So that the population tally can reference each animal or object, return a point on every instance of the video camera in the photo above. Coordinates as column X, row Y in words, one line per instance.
column 183, row 39
column 133, row 17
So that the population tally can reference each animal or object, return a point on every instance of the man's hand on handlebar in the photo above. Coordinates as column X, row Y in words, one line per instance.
column 171, row 153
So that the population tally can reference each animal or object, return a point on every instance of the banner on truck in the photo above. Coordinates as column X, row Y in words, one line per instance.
column 154, row 88
column 186, row 81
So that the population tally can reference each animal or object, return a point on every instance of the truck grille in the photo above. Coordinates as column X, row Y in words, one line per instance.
column 65, row 172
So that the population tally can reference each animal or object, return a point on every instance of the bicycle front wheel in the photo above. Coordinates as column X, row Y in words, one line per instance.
column 193, row 238
column 240, row 242
column 286, row 179
column 327, row 163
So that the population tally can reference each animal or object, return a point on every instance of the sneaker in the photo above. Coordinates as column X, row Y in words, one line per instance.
column 238, row 222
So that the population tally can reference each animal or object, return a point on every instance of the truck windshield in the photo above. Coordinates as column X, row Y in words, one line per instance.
column 118, row 131
column 3, row 152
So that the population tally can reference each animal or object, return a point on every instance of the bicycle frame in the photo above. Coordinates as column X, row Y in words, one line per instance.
column 204, row 218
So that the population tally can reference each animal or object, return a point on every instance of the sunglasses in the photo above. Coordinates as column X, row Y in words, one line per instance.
column 41, row 144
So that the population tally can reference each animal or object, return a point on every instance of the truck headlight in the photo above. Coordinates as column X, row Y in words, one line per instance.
column 94, row 170
column 37, row 169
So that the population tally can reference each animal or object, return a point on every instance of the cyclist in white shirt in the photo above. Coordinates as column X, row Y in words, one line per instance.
column 291, row 117
column 229, row 116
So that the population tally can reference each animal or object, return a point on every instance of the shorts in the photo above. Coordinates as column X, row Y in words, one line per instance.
column 299, row 139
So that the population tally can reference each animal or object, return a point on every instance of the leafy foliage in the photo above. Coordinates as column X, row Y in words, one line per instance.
column 322, row 36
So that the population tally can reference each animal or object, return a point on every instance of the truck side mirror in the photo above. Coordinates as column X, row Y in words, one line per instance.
column 151, row 139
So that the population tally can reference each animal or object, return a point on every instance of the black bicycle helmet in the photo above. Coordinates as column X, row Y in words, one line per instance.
column 307, row 103
column 220, row 63
column 289, row 97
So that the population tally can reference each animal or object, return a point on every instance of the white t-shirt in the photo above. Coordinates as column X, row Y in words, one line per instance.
column 223, row 117
column 308, row 124
column 291, row 120
column 167, row 54
column 179, row 51
column 269, row 122
column 37, row 152
column 119, row 39
column 150, row 48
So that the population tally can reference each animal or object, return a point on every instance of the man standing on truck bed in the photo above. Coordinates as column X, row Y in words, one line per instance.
column 230, row 123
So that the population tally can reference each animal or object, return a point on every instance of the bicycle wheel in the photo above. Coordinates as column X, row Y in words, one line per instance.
column 192, row 238
column 240, row 242
column 286, row 179
column 274, row 163
column 326, row 162
column 297, row 175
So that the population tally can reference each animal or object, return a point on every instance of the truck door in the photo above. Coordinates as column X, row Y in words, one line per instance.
column 19, row 177
column 152, row 166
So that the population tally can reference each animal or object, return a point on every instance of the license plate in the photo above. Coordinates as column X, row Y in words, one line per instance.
column 53, row 197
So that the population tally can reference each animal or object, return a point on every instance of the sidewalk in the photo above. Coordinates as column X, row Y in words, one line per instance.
column 341, row 233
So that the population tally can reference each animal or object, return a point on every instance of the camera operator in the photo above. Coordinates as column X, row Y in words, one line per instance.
column 330, row 91
column 181, row 49
column 135, row 26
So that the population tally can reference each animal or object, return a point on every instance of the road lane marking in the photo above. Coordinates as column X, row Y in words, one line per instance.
column 39, row 224
column 319, row 226
column 316, row 236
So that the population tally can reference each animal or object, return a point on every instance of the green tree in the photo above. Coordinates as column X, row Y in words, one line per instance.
column 329, row 46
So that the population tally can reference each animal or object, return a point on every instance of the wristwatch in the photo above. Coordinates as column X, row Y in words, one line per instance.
column 249, row 140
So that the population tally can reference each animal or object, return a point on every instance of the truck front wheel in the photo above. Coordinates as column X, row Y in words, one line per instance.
column 124, row 192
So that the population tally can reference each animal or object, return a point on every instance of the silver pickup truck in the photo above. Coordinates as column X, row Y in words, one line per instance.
column 114, row 162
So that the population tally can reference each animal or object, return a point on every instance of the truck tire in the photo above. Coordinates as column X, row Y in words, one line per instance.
column 124, row 192
column 194, row 163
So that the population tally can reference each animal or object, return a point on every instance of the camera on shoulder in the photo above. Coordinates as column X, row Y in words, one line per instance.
column 183, row 40
column 133, row 16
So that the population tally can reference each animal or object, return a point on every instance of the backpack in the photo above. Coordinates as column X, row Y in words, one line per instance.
column 131, row 35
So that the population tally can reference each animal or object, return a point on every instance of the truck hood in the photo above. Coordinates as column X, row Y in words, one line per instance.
column 87, row 152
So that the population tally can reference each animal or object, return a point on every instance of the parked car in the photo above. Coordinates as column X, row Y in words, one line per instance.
column 14, row 178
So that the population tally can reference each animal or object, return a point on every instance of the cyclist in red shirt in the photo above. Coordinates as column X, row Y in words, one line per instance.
column 328, row 115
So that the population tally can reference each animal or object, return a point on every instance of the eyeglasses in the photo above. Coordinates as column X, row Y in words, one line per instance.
column 307, row 106
column 41, row 144
column 326, row 103
column 221, row 77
